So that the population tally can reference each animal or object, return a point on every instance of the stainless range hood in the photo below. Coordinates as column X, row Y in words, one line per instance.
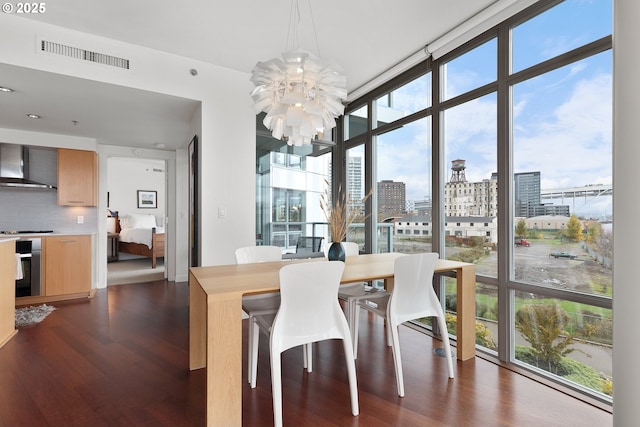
column 14, row 168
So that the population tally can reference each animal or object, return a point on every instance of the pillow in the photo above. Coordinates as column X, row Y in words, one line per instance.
column 124, row 221
column 142, row 221
column 111, row 224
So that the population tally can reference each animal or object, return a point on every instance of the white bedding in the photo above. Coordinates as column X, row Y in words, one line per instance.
column 139, row 235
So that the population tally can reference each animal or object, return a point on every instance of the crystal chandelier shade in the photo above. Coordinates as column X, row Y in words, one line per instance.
column 301, row 94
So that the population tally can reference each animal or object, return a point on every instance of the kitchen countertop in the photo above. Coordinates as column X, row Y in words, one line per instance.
column 62, row 233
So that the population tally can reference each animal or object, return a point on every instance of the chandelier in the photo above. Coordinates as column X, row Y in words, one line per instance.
column 301, row 94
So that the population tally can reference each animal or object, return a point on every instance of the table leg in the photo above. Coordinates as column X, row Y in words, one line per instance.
column 215, row 342
column 224, row 361
column 197, row 325
column 466, row 308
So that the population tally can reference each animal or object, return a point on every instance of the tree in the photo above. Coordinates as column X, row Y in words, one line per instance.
column 593, row 232
column 543, row 326
column 574, row 229
column 605, row 243
column 521, row 228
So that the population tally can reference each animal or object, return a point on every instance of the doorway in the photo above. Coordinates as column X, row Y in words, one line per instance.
column 136, row 204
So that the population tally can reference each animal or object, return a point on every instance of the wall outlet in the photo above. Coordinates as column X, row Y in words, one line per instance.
column 80, row 219
column 222, row 213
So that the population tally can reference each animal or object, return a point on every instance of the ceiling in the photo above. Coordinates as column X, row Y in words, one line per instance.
column 365, row 37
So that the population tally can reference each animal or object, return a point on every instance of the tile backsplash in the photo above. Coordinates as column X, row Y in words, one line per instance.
column 36, row 209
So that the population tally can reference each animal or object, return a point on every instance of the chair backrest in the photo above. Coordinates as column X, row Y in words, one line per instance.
column 309, row 244
column 351, row 248
column 309, row 309
column 250, row 254
column 413, row 295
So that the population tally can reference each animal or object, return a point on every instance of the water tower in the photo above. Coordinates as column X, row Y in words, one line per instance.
column 457, row 171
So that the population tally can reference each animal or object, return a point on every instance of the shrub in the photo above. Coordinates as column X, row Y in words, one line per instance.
column 543, row 326
column 485, row 311
column 483, row 334
column 569, row 369
column 451, row 303
column 468, row 255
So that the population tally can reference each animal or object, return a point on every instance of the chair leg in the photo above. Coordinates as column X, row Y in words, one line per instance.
column 276, row 388
column 397, row 357
column 356, row 323
column 250, row 351
column 351, row 371
column 442, row 324
column 307, row 357
column 353, row 307
column 254, row 340
column 347, row 311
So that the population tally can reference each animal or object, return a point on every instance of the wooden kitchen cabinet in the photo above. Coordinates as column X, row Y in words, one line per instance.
column 7, row 289
column 77, row 177
column 67, row 265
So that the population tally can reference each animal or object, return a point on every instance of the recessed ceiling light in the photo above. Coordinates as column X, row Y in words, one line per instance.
column 6, row 89
column 33, row 116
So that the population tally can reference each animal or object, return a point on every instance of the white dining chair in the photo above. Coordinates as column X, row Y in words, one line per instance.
column 412, row 298
column 254, row 305
column 351, row 293
column 309, row 312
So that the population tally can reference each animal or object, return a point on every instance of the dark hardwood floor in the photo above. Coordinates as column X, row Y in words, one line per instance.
column 121, row 359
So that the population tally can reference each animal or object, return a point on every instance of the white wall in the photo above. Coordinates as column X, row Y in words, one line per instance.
column 226, row 131
column 125, row 176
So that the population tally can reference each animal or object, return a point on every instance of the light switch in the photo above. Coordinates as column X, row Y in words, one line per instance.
column 222, row 213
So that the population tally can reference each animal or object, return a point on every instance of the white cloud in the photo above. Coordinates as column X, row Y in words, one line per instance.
column 572, row 147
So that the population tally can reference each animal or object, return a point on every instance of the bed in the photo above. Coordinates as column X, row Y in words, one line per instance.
column 139, row 235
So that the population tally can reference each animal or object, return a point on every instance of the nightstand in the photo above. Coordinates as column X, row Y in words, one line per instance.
column 112, row 247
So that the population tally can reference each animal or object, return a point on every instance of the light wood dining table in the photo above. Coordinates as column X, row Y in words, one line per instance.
column 215, row 318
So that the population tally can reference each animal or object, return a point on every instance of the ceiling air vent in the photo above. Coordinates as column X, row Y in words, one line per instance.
column 86, row 55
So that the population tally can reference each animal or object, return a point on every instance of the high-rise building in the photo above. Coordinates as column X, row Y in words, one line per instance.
column 392, row 197
column 527, row 193
column 354, row 178
column 464, row 198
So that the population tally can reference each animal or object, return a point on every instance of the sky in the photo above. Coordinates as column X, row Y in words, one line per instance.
column 562, row 120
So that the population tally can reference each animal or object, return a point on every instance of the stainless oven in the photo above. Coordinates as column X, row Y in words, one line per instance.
column 29, row 250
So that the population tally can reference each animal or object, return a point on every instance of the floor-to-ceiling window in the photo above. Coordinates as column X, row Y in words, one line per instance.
column 561, row 144
column 289, row 183
column 519, row 122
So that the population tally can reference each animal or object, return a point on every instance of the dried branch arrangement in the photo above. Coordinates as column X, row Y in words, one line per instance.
column 340, row 214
